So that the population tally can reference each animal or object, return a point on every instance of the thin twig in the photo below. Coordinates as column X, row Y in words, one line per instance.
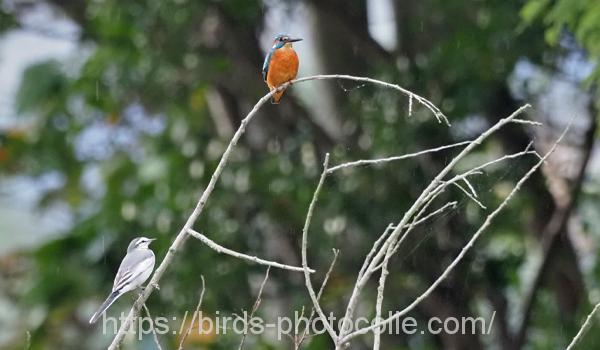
column 154, row 335
column 391, row 159
column 298, row 341
column 448, row 205
column 529, row 122
column 307, row 281
column 222, row 250
column 255, row 306
column 196, row 314
column 374, row 249
column 423, row 101
column 28, row 340
column 390, row 252
column 379, row 301
column 471, row 188
column 469, row 194
column 479, row 168
column 417, row 221
column 584, row 328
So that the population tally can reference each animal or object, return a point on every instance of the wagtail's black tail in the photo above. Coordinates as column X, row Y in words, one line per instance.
column 105, row 305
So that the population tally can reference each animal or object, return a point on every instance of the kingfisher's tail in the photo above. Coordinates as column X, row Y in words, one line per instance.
column 105, row 305
column 276, row 97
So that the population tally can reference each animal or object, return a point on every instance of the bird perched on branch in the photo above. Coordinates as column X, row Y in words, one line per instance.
column 281, row 64
column 136, row 267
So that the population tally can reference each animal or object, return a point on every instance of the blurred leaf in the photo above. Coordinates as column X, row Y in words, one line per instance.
column 42, row 89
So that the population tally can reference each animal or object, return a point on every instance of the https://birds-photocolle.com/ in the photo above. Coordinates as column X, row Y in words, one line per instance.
column 136, row 267
column 281, row 64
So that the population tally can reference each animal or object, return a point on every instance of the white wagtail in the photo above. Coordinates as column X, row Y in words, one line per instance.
column 134, row 270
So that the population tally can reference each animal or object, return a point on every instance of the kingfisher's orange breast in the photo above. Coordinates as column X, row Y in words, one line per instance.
column 283, row 66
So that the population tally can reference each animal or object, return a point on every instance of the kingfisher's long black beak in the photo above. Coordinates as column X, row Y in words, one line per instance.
column 291, row 40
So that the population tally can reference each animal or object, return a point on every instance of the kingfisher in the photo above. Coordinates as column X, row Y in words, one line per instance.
column 281, row 64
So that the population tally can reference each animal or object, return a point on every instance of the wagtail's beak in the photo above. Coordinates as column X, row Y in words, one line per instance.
column 152, row 239
column 291, row 40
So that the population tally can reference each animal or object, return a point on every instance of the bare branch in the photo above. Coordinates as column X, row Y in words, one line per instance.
column 423, row 101
column 443, row 185
column 374, row 249
column 181, row 237
column 336, row 253
column 528, row 122
column 308, row 282
column 154, row 335
column 183, row 233
column 379, row 301
column 298, row 340
column 464, row 250
column 390, row 252
column 449, row 205
column 417, row 221
column 584, row 328
column 468, row 194
column 391, row 159
column 222, row 250
column 471, row 188
column 478, row 169
column 196, row 314
column 256, row 305
column 432, row 189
